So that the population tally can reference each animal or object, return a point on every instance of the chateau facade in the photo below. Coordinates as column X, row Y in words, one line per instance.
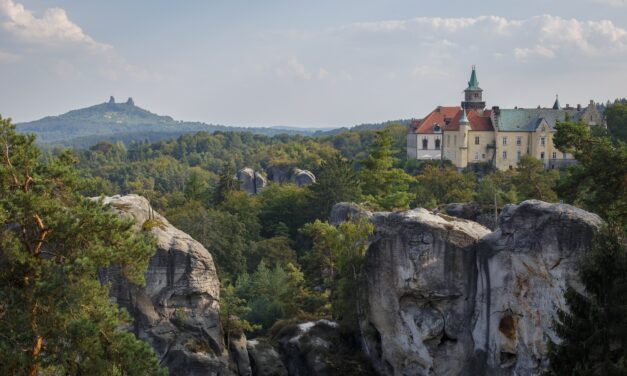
column 471, row 134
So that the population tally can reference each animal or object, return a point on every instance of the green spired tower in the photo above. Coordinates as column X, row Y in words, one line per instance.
column 473, row 95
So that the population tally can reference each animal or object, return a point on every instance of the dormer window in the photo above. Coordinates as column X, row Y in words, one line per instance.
column 436, row 128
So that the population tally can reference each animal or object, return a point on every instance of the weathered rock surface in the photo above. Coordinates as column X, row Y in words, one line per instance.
column 264, row 359
column 445, row 296
column 317, row 348
column 249, row 184
column 303, row 178
column 177, row 311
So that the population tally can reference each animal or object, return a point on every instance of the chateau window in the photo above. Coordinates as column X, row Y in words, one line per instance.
column 542, row 155
column 564, row 155
column 425, row 143
column 518, row 155
column 437, row 144
column 477, row 140
column 542, row 141
column 448, row 139
column 518, row 140
column 476, row 156
column 554, row 155
column 482, row 156
column 504, row 155
column 504, row 140
column 454, row 140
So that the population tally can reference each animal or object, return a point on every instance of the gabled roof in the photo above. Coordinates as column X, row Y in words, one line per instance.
column 437, row 117
column 528, row 119
column 452, row 115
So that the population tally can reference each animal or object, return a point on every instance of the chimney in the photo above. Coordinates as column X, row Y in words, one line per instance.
column 578, row 107
column 438, row 109
column 496, row 110
column 567, row 106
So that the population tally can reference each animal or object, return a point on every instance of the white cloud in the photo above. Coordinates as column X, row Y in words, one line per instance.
column 537, row 37
column 52, row 28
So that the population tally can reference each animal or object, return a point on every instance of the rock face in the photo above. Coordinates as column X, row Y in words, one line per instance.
column 248, row 183
column 264, row 359
column 317, row 348
column 445, row 296
column 303, row 178
column 177, row 311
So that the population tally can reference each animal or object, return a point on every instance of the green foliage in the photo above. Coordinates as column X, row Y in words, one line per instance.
column 593, row 331
column 232, row 311
column 436, row 186
column 220, row 232
column 336, row 182
column 616, row 116
column 149, row 224
column 274, row 251
column 383, row 185
column 283, row 210
column 599, row 181
column 227, row 184
column 56, row 316
column 272, row 294
column 339, row 253
column 499, row 186
column 532, row 181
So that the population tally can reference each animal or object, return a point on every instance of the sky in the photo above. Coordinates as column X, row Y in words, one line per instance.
column 323, row 63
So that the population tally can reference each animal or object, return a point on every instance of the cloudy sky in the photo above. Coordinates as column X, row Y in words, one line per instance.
column 306, row 63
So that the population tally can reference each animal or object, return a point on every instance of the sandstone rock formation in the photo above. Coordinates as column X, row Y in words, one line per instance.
column 303, row 178
column 445, row 296
column 177, row 311
column 264, row 359
column 248, row 183
column 317, row 348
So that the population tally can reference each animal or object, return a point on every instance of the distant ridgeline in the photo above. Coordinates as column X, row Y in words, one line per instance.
column 126, row 122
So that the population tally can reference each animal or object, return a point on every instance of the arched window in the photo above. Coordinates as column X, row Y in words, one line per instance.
column 425, row 143
column 437, row 143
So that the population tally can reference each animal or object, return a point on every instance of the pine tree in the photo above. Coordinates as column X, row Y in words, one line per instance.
column 55, row 316
column 593, row 331
column 336, row 182
column 383, row 185
column 226, row 184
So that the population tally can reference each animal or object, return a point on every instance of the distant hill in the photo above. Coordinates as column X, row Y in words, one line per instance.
column 125, row 122
column 364, row 127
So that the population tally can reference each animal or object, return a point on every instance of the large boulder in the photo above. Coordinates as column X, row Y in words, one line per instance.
column 303, row 178
column 251, row 181
column 177, row 312
column 318, row 348
column 445, row 296
column 264, row 359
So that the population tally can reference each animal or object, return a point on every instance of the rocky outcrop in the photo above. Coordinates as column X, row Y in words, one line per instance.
column 318, row 348
column 445, row 296
column 264, row 359
column 249, row 184
column 303, row 178
column 177, row 311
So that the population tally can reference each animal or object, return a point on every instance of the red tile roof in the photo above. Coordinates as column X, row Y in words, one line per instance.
column 451, row 115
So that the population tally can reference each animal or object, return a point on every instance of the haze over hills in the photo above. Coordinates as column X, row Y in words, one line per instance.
column 126, row 122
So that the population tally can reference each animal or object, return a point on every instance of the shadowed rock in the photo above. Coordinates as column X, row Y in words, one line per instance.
column 445, row 296
column 177, row 311
column 248, row 184
column 303, row 178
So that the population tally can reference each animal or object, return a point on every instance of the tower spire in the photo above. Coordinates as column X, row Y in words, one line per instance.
column 473, row 84
column 556, row 105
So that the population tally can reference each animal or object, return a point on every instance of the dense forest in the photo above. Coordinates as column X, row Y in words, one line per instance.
column 278, row 258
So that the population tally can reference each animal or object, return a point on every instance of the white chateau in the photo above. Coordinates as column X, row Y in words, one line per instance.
column 471, row 134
